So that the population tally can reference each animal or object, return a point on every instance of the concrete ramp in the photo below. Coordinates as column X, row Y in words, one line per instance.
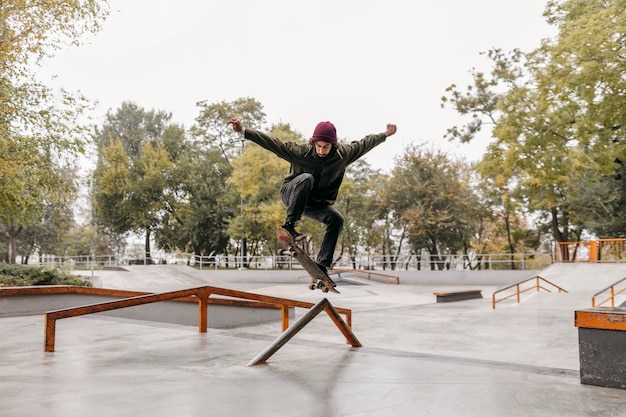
column 152, row 278
column 583, row 276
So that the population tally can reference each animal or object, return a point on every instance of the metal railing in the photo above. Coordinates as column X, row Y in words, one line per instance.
column 518, row 291
column 198, row 294
column 362, row 262
column 601, row 250
column 611, row 297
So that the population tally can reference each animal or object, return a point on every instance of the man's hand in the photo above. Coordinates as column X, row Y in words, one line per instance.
column 236, row 124
column 391, row 130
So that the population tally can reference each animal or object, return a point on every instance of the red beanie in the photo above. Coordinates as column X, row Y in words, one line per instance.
column 325, row 131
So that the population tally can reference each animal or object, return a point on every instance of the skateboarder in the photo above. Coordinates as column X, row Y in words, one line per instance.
column 316, row 172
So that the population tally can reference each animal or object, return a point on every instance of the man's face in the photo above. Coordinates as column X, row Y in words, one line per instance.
column 322, row 148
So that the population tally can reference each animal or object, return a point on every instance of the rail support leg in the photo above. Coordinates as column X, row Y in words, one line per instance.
column 299, row 325
column 49, row 336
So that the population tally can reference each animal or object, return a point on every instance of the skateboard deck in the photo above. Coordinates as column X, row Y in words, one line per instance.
column 322, row 281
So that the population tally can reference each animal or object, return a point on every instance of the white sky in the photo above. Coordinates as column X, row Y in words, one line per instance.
column 359, row 64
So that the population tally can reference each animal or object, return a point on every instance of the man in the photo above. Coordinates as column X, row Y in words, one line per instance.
column 315, row 175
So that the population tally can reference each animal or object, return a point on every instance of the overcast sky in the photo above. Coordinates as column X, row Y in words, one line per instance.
column 359, row 64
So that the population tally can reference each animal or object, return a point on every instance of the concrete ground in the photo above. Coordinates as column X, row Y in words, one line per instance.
column 419, row 357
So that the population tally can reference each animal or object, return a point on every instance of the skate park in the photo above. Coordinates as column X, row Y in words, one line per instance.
column 419, row 357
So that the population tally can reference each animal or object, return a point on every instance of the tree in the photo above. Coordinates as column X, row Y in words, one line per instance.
column 133, row 183
column 255, row 184
column 556, row 113
column 431, row 198
column 31, row 30
column 200, row 219
column 87, row 240
column 602, row 203
column 38, row 131
column 358, row 202
column 212, row 131
column 48, row 234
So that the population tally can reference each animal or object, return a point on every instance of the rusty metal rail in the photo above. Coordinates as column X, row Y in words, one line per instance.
column 201, row 295
column 611, row 297
column 357, row 272
column 519, row 291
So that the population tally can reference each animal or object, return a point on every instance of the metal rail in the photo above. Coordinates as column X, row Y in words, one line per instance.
column 610, row 297
column 356, row 273
column 519, row 291
column 200, row 295
column 369, row 275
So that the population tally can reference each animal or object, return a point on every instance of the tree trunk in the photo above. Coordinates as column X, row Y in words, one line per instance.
column 560, row 236
column 148, row 257
column 507, row 224
column 12, row 230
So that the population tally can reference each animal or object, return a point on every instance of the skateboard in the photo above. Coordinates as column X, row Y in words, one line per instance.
column 322, row 281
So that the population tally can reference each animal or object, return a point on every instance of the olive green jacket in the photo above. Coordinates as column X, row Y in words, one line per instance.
column 328, row 171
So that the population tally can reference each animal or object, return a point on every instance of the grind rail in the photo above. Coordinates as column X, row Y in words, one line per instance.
column 518, row 291
column 369, row 275
column 201, row 295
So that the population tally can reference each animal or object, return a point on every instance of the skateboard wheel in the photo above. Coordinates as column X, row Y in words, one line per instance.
column 325, row 289
column 311, row 286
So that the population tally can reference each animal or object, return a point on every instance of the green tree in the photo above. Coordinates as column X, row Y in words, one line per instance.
column 86, row 240
column 557, row 114
column 211, row 130
column 134, row 183
column 358, row 202
column 431, row 199
column 48, row 234
column 602, row 203
column 31, row 31
column 38, row 131
column 255, row 185
column 199, row 222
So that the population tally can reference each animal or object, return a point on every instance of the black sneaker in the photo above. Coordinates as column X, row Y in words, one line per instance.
column 291, row 228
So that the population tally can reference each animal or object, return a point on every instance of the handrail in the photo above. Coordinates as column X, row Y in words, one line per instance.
column 369, row 274
column 356, row 272
column 518, row 291
column 198, row 294
column 110, row 292
column 611, row 297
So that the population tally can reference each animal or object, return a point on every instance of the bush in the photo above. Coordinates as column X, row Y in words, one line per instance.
column 23, row 275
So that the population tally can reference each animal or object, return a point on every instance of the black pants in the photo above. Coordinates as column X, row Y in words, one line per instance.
column 295, row 195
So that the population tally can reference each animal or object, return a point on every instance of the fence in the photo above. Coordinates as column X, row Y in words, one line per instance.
column 362, row 262
column 601, row 250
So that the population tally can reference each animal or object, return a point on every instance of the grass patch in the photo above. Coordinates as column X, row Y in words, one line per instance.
column 12, row 275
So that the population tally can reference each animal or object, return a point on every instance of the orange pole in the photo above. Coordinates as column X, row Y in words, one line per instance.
column 203, row 295
column 50, row 330
column 285, row 313
column 593, row 251
column 612, row 296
